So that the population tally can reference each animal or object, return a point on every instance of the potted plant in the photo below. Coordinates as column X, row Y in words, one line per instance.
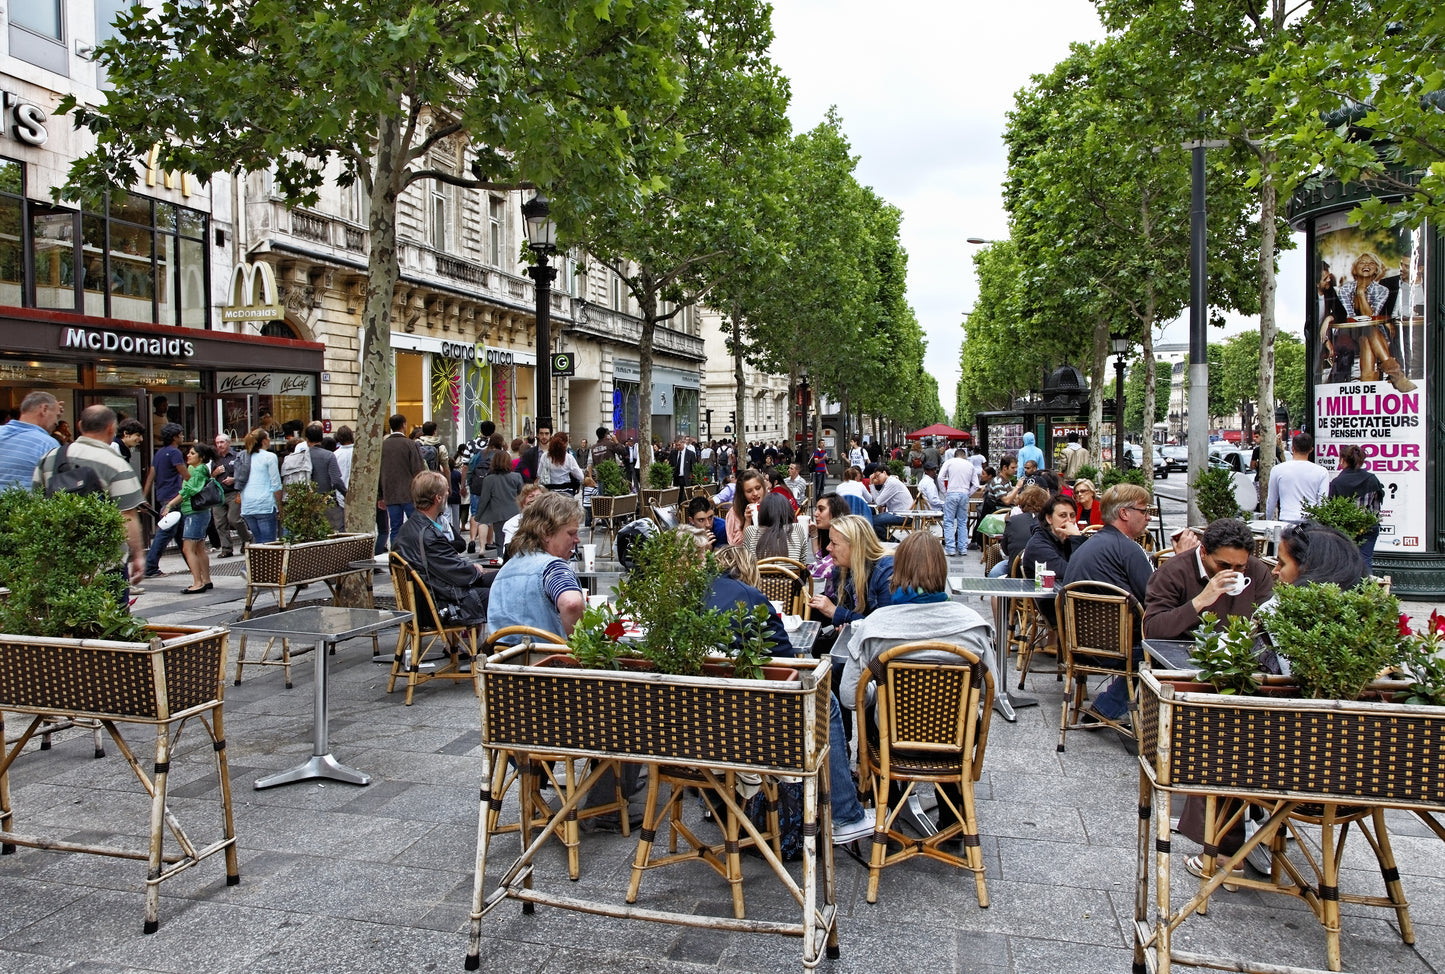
column 609, row 479
column 1089, row 473
column 69, row 649
column 1214, row 493
column 1344, row 513
column 659, row 490
column 307, row 552
column 1133, row 475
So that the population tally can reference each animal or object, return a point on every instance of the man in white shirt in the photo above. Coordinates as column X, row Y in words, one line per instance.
column 892, row 495
column 958, row 479
column 928, row 487
column 1296, row 482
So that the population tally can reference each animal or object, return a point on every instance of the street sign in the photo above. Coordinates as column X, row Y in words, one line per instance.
column 564, row 364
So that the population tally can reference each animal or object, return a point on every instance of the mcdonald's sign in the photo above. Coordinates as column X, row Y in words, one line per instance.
column 254, row 296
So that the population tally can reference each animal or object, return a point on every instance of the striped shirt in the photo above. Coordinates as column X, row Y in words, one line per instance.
column 115, row 472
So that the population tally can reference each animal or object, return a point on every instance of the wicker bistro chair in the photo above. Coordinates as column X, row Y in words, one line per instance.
column 424, row 631
column 725, row 857
column 992, row 551
column 1097, row 622
column 784, row 583
column 933, row 722
column 529, row 772
column 611, row 513
column 1029, row 631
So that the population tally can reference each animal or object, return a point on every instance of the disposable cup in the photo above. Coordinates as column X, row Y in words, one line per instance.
column 589, row 558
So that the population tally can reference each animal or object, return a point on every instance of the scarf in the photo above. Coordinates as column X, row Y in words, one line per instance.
column 914, row 596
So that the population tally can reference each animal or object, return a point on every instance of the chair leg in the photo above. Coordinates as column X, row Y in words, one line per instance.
column 731, row 850
column 884, row 815
column 648, row 833
column 223, row 777
column 972, row 848
column 158, row 830
column 1386, row 856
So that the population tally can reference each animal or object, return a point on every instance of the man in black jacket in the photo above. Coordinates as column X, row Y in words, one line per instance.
column 431, row 546
column 326, row 475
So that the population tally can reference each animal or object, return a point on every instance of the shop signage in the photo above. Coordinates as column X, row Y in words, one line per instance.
column 477, row 353
column 246, row 303
column 100, row 340
column 564, row 364
column 265, row 384
column 22, row 121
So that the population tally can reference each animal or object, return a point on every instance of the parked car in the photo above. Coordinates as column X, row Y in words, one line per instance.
column 1176, row 457
column 1236, row 458
column 1136, row 455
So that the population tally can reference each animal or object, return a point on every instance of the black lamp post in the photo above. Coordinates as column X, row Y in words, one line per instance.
column 1118, row 344
column 542, row 239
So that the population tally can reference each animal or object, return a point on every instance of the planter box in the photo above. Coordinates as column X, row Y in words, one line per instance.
column 178, row 670
column 1345, row 751
column 777, row 726
column 175, row 678
column 275, row 565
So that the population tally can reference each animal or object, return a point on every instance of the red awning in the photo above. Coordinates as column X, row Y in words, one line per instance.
column 940, row 429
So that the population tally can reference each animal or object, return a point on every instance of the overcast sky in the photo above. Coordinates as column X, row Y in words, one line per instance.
column 923, row 89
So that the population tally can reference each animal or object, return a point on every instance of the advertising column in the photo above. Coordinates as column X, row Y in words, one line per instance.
column 1370, row 390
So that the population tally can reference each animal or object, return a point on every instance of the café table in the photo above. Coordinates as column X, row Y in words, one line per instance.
column 1003, row 590
column 323, row 626
column 804, row 636
column 1170, row 654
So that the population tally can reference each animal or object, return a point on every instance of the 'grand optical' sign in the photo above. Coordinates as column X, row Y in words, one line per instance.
column 98, row 340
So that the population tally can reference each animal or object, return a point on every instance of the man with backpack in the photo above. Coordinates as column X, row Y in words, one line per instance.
column 434, row 451
column 92, row 451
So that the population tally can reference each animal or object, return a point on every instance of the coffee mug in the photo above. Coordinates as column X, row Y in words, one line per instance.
column 1241, row 582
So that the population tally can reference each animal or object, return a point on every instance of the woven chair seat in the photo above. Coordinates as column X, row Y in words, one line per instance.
column 926, row 764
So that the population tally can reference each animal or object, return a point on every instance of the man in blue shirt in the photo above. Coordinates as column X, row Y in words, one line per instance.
column 167, row 473
column 25, row 440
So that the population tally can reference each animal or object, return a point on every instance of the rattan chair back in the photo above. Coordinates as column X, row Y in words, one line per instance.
column 1096, row 630
column 511, row 635
column 992, row 553
column 423, row 631
column 1162, row 555
column 781, row 583
column 933, row 723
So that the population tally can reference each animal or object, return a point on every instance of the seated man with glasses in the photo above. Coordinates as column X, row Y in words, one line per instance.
column 1114, row 556
column 1202, row 579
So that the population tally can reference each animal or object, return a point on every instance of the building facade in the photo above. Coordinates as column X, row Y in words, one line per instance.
column 765, row 403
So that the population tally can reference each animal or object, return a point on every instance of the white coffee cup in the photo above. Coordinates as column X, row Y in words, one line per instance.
column 589, row 558
column 756, row 508
column 1241, row 582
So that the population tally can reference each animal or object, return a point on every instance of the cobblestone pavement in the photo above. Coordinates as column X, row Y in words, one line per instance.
column 348, row 879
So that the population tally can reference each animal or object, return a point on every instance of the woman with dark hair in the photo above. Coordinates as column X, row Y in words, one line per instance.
column 749, row 494
column 1020, row 526
column 1357, row 483
column 777, row 484
column 1054, row 540
column 193, row 535
column 557, row 468
column 496, row 502
column 777, row 533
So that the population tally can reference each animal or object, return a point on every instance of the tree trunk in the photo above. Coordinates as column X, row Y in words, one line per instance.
column 740, row 445
column 1150, row 370
column 1099, row 380
column 388, row 166
column 647, row 300
column 1268, row 328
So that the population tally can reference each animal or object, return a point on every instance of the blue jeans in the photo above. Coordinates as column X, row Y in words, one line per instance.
column 955, row 522
column 882, row 522
column 164, row 536
column 264, row 527
column 843, row 794
column 396, row 515
column 1000, row 570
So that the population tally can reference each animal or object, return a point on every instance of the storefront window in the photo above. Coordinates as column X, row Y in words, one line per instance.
column 409, row 387
column 684, row 412
column 12, row 260
column 129, row 267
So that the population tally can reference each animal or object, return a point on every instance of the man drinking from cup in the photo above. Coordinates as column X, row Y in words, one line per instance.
column 1220, row 574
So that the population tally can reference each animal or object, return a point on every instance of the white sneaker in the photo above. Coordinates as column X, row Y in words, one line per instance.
column 853, row 831
column 1259, row 857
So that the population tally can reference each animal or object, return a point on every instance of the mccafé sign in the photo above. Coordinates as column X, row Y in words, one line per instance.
column 99, row 340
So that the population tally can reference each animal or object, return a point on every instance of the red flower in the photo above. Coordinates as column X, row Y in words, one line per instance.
column 1405, row 629
column 1437, row 622
column 614, row 630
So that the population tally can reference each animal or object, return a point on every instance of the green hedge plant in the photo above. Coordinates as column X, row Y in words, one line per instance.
column 1336, row 641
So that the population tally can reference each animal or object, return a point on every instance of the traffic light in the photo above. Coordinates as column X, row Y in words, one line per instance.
column 733, row 417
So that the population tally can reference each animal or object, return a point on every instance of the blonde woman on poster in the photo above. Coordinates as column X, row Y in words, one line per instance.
column 1356, row 323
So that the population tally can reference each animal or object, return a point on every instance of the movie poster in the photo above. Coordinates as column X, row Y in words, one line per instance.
column 1371, row 390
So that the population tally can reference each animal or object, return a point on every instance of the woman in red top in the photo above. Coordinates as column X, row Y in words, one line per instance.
column 1086, row 498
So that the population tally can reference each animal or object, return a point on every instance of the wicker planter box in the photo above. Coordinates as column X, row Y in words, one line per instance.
column 175, row 678
column 277, row 564
column 769, row 726
column 1329, row 750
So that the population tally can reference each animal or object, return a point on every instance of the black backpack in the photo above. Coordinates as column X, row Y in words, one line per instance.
column 481, row 464
column 73, row 478
column 429, row 456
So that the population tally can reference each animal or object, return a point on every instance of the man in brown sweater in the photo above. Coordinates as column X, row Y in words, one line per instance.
column 400, row 461
column 1202, row 579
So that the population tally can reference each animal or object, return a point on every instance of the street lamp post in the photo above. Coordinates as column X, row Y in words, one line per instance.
column 1118, row 344
column 542, row 240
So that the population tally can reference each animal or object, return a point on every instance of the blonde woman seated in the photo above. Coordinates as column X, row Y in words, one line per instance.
column 778, row 534
column 920, row 609
column 739, row 584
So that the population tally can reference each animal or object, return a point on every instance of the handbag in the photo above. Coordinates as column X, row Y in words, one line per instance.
column 993, row 523
column 208, row 496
